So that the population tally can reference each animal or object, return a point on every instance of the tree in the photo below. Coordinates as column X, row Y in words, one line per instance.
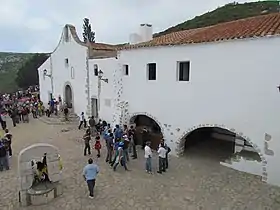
column 27, row 75
column 88, row 34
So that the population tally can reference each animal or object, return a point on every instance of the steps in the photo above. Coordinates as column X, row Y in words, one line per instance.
column 59, row 119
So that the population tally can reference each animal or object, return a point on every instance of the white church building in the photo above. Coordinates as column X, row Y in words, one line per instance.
column 223, row 76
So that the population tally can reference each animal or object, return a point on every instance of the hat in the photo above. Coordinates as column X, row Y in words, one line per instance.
column 121, row 144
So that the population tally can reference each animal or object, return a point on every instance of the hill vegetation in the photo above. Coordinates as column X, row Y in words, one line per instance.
column 226, row 13
column 27, row 75
column 18, row 70
column 9, row 66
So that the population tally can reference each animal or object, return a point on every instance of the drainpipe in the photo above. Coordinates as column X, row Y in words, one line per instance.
column 51, row 75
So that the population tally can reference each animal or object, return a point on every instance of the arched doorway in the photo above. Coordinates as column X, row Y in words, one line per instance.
column 68, row 96
column 154, row 133
column 214, row 146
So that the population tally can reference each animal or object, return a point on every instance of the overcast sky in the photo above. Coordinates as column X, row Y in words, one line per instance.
column 36, row 25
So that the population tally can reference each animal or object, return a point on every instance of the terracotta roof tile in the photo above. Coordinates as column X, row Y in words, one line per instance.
column 95, row 46
column 259, row 26
column 102, row 46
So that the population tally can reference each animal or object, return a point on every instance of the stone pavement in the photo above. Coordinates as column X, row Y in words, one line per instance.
column 190, row 184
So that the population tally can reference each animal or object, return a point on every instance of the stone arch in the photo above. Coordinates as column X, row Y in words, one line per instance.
column 34, row 149
column 133, row 116
column 34, row 152
column 29, row 185
column 182, row 139
column 68, row 95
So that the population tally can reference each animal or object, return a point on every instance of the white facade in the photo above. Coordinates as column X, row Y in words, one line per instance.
column 232, row 85
column 108, row 66
column 72, row 74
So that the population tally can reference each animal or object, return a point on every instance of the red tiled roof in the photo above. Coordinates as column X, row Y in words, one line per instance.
column 95, row 46
column 259, row 26
column 102, row 46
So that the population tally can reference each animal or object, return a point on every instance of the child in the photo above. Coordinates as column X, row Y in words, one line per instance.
column 97, row 145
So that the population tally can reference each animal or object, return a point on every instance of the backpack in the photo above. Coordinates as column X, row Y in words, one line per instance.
column 167, row 148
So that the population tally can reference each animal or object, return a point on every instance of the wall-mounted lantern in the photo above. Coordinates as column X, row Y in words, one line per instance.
column 100, row 76
column 95, row 70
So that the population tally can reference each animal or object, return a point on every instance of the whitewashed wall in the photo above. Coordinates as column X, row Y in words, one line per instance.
column 107, row 65
column 76, row 55
column 44, row 82
column 232, row 85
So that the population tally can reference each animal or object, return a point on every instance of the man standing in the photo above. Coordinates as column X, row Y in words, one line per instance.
column 89, row 173
column 168, row 150
column 13, row 115
column 161, row 157
column 4, row 162
column 92, row 125
column 87, row 138
column 66, row 112
column 4, row 122
column 110, row 147
column 9, row 136
column 118, row 133
column 148, row 157
column 133, row 141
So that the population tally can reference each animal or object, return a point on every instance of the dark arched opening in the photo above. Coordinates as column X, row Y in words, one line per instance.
column 68, row 96
column 218, row 145
column 154, row 133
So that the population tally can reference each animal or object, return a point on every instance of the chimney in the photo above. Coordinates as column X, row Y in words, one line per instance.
column 134, row 38
column 146, row 32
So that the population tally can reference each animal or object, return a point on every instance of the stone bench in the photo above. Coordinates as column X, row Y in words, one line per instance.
column 41, row 193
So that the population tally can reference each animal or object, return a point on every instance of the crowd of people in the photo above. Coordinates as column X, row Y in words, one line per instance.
column 120, row 141
column 120, row 146
column 17, row 107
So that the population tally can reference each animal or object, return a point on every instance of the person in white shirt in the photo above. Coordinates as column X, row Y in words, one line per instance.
column 82, row 121
column 161, row 155
column 167, row 148
column 148, row 157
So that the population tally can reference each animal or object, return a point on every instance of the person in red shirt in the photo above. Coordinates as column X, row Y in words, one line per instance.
column 97, row 145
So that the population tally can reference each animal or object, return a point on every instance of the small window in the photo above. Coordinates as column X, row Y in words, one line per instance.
column 125, row 70
column 151, row 71
column 72, row 73
column 66, row 62
column 183, row 71
column 95, row 70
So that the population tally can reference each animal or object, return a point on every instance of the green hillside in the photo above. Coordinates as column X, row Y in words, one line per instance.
column 229, row 12
column 9, row 65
